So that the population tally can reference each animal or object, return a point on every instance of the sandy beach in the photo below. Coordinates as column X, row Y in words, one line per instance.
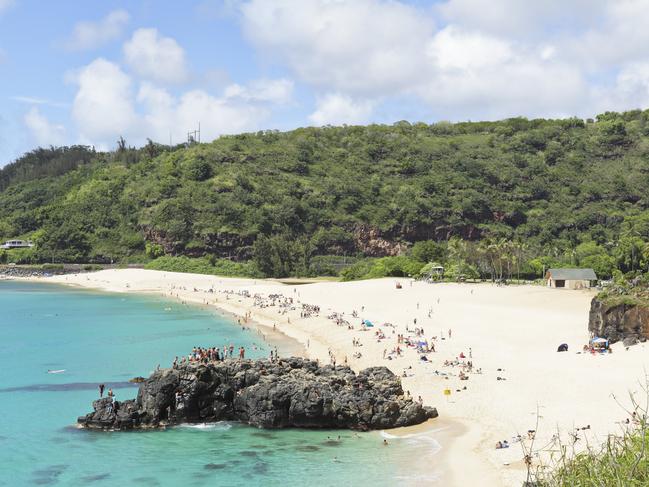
column 511, row 333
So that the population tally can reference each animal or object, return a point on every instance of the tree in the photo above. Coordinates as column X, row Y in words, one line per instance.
column 64, row 242
column 428, row 251
column 628, row 253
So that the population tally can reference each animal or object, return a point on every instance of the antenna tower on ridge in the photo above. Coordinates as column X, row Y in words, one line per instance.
column 194, row 136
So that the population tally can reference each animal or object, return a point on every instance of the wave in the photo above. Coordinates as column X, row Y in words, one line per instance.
column 218, row 426
column 388, row 436
column 425, row 438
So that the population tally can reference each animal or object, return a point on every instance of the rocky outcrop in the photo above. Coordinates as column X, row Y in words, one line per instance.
column 291, row 392
column 10, row 271
column 619, row 321
column 371, row 242
column 221, row 244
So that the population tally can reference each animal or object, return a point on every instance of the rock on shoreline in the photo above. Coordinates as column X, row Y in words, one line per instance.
column 291, row 392
column 628, row 322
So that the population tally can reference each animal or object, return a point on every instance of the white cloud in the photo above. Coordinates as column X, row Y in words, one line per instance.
column 336, row 109
column 103, row 106
column 90, row 35
column 631, row 89
column 30, row 100
column 521, row 19
column 368, row 51
column 504, row 58
column 5, row 4
column 155, row 57
column 452, row 49
column 106, row 106
column 41, row 130
column 620, row 36
column 359, row 47
column 166, row 115
column 277, row 91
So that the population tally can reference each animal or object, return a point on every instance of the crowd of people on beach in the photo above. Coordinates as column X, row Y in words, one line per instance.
column 210, row 354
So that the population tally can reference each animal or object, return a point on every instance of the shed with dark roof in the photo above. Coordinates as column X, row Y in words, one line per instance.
column 571, row 278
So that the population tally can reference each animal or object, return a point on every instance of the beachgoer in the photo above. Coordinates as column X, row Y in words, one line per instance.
column 385, row 442
column 101, row 390
column 110, row 393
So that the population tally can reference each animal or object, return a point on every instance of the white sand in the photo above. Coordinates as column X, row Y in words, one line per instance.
column 515, row 328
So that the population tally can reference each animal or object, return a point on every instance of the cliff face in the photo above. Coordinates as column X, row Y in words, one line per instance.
column 618, row 322
column 289, row 393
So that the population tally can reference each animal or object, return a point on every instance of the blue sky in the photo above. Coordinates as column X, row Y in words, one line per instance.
column 90, row 71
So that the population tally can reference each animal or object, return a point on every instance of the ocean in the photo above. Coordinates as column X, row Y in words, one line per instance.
column 58, row 343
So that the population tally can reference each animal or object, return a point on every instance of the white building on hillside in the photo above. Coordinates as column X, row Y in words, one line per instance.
column 16, row 244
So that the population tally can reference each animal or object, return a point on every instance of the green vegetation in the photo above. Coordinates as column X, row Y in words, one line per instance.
column 217, row 267
column 621, row 461
column 630, row 292
column 493, row 200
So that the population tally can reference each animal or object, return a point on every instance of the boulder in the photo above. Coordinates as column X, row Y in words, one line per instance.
column 292, row 392
column 630, row 340
column 618, row 321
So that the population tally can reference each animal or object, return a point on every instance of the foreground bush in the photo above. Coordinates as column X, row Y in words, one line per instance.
column 623, row 461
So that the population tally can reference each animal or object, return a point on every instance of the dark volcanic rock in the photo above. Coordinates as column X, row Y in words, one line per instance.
column 619, row 321
column 292, row 392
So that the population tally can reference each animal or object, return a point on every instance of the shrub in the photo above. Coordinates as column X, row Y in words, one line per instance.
column 221, row 267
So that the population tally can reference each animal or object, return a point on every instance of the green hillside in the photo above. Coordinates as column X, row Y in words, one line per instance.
column 511, row 196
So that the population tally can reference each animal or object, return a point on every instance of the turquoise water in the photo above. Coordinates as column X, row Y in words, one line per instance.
column 96, row 337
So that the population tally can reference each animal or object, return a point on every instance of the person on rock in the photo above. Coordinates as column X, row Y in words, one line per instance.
column 101, row 390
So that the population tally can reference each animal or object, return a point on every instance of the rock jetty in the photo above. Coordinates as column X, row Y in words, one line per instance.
column 291, row 392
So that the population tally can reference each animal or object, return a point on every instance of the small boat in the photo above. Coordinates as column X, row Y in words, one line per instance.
column 59, row 371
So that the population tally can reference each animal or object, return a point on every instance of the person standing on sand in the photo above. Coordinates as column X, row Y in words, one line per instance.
column 101, row 390
column 449, row 333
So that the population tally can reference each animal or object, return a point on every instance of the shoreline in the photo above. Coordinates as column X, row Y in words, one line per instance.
column 444, row 432
column 510, row 332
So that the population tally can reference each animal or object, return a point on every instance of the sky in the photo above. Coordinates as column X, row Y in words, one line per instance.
column 88, row 72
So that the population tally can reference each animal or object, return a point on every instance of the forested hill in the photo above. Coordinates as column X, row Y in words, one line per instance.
column 554, row 186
